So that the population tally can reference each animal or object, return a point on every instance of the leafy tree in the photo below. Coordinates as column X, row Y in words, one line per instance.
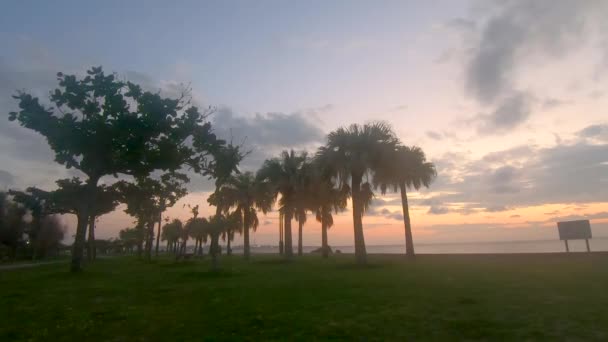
column 246, row 194
column 129, row 238
column 353, row 153
column 282, row 176
column 105, row 201
column 406, row 167
column 103, row 126
column 50, row 235
column 147, row 199
column 34, row 202
column 69, row 198
column 12, row 224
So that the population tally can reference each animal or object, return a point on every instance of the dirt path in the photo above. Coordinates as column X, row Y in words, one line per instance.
column 28, row 265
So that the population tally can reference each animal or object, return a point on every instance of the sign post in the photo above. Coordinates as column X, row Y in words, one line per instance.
column 574, row 230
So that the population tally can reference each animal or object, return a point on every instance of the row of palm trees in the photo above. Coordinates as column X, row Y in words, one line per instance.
column 356, row 161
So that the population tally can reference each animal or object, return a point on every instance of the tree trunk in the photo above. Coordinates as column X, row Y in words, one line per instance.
column 324, row 246
column 288, row 242
column 81, row 227
column 228, row 249
column 214, row 251
column 246, row 250
column 140, row 240
column 300, row 226
column 200, row 247
column 281, row 232
column 160, row 221
column 91, row 244
column 79, row 240
column 360, row 253
column 150, row 240
column 215, row 244
column 409, row 240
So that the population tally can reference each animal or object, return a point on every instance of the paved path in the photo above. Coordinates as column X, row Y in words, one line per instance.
column 28, row 265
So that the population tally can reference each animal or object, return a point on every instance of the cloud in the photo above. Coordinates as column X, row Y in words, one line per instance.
column 270, row 129
column 598, row 132
column 6, row 179
column 386, row 213
column 510, row 113
column 497, row 208
column 551, row 103
column 265, row 135
column 434, row 135
column 514, row 30
column 438, row 210
column 528, row 175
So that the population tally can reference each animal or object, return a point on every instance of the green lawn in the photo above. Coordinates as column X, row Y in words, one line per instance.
column 432, row 298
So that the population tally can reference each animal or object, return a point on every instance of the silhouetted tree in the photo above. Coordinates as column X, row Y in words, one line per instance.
column 147, row 199
column 171, row 233
column 103, row 126
column 246, row 194
column 106, row 200
column 405, row 167
column 50, row 235
column 12, row 224
column 224, row 165
column 233, row 224
column 35, row 203
column 354, row 152
column 282, row 175
column 129, row 238
column 325, row 197
column 198, row 228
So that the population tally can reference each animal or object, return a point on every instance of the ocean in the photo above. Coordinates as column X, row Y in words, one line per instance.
column 529, row 246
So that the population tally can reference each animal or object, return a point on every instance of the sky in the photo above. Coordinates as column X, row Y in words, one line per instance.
column 507, row 98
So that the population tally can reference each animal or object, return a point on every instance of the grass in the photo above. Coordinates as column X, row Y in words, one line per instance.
column 501, row 297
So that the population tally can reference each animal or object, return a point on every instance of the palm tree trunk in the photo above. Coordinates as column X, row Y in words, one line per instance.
column 288, row 241
column 360, row 252
column 409, row 240
column 300, row 226
column 160, row 217
column 215, row 244
column 324, row 246
column 91, row 242
column 281, row 232
column 246, row 250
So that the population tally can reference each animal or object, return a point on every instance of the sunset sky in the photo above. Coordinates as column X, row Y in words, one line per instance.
column 507, row 98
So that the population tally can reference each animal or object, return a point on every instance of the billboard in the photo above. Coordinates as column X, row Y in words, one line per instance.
column 574, row 230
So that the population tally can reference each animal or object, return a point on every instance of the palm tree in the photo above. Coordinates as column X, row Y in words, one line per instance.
column 246, row 194
column 353, row 153
column 407, row 167
column 197, row 228
column 233, row 224
column 303, row 201
column 171, row 232
column 325, row 197
column 217, row 226
column 282, row 176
